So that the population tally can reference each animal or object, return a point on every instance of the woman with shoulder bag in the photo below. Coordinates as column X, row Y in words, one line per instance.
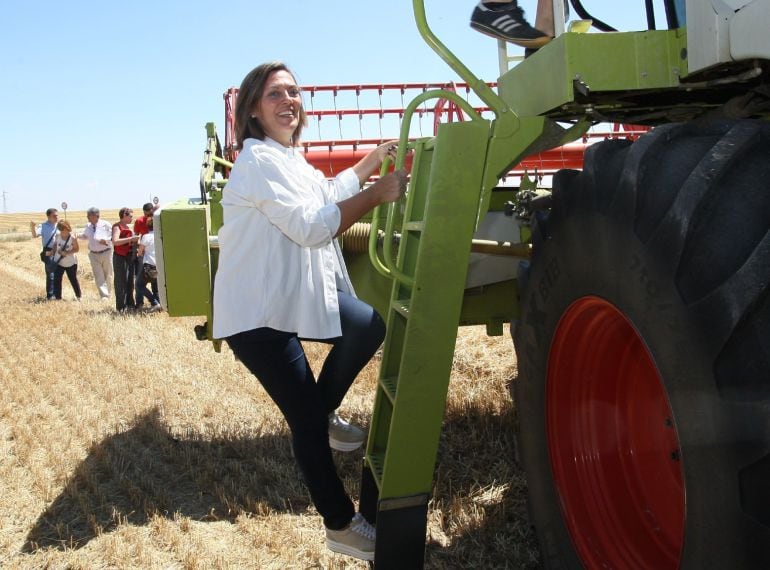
column 65, row 248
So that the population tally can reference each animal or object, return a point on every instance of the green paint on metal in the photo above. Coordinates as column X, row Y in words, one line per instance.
column 554, row 77
column 211, row 185
column 423, row 318
column 491, row 305
column 386, row 267
column 504, row 151
column 222, row 161
column 182, row 235
column 527, row 183
column 216, row 213
column 500, row 196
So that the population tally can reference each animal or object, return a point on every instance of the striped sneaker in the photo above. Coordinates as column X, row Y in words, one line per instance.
column 507, row 23
column 344, row 436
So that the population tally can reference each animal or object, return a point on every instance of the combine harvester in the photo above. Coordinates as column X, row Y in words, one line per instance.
column 637, row 291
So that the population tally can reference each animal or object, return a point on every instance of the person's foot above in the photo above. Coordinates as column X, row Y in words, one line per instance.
column 506, row 21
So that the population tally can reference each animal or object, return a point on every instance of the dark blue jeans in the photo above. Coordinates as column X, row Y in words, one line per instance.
column 50, row 272
column 278, row 361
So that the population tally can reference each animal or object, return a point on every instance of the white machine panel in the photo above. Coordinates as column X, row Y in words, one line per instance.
column 720, row 31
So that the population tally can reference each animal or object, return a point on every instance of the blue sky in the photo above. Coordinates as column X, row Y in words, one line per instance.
column 104, row 103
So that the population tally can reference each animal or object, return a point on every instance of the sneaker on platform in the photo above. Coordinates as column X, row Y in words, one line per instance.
column 356, row 539
column 507, row 23
column 344, row 436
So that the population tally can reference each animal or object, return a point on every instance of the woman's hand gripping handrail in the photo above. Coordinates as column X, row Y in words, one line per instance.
column 388, row 267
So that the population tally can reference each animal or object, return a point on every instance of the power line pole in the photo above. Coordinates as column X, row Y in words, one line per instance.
column 5, row 207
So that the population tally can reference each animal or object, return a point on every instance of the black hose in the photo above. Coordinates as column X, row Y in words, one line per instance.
column 597, row 23
column 650, row 14
column 673, row 20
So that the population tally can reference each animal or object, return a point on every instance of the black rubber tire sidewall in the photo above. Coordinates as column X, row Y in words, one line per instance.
column 595, row 253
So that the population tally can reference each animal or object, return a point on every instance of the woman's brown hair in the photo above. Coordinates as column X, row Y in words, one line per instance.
column 249, row 94
column 64, row 225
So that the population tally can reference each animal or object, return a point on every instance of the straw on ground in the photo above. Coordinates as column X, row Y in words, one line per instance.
column 126, row 443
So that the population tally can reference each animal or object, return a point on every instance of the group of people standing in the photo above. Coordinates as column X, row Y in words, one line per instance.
column 121, row 255
column 133, row 260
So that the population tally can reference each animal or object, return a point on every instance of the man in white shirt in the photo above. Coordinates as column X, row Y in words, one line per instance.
column 98, row 232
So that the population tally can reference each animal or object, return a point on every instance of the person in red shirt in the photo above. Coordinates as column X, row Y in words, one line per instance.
column 124, row 242
column 140, row 228
column 140, row 224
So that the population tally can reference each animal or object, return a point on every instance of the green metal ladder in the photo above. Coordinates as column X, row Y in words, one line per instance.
column 429, row 272
column 451, row 182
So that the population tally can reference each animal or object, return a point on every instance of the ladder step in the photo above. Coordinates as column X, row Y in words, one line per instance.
column 389, row 387
column 401, row 306
column 376, row 463
column 414, row 226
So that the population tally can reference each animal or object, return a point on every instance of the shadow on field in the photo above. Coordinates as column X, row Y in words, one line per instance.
column 479, row 500
column 144, row 472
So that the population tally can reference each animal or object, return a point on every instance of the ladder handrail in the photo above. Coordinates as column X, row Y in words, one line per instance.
column 387, row 267
column 485, row 93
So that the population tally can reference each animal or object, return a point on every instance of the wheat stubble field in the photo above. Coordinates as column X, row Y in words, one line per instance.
column 126, row 443
column 19, row 223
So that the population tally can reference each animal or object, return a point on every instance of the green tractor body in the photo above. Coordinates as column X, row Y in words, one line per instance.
column 637, row 293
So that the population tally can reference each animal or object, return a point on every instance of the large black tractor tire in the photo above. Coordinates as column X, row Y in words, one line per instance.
column 643, row 349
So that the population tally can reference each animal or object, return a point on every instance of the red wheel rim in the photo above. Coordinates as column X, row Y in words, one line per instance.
column 613, row 443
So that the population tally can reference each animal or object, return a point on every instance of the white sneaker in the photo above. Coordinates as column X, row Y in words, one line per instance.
column 344, row 436
column 357, row 539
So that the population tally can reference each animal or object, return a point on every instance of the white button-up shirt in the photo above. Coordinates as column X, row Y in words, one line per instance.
column 95, row 233
column 279, row 264
column 148, row 241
